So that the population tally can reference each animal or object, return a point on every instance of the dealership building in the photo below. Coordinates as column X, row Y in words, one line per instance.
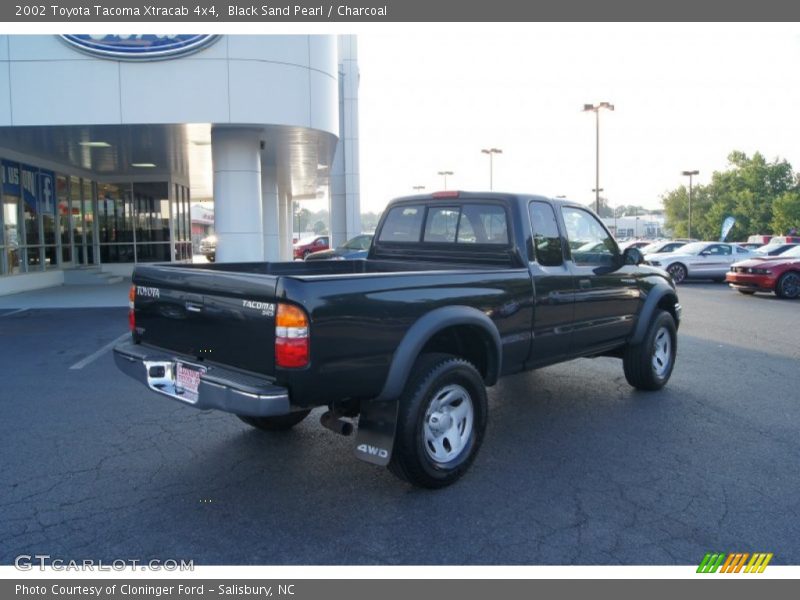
column 106, row 139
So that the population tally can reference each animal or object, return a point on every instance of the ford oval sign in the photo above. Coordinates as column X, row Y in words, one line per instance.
column 139, row 47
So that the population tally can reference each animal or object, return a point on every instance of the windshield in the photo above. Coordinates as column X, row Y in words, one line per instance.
column 694, row 248
column 360, row 242
column 793, row 253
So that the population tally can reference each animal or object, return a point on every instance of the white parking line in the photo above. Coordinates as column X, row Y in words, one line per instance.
column 95, row 355
column 13, row 312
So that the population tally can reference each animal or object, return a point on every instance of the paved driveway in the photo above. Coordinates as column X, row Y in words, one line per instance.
column 577, row 467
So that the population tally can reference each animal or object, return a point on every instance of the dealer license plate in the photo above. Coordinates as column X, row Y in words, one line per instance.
column 187, row 380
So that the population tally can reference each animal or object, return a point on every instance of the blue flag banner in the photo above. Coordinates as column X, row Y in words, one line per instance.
column 10, row 178
column 28, row 177
column 47, row 192
column 727, row 225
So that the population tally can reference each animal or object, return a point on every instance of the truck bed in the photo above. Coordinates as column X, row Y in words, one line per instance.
column 358, row 310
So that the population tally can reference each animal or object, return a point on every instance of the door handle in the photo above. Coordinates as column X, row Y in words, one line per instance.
column 584, row 284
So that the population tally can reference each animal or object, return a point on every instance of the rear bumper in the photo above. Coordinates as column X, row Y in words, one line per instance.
column 219, row 388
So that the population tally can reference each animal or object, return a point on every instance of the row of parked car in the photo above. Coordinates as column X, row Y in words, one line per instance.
column 748, row 268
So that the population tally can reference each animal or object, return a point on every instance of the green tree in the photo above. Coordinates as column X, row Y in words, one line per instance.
column 746, row 191
column 786, row 213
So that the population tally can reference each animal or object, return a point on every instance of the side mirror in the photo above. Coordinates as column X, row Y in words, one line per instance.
column 705, row 253
column 632, row 256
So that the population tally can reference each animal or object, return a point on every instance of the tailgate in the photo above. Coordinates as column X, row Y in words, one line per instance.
column 217, row 316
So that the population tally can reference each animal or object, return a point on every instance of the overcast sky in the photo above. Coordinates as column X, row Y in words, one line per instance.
column 431, row 96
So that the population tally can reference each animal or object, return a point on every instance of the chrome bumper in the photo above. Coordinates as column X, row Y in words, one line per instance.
column 219, row 388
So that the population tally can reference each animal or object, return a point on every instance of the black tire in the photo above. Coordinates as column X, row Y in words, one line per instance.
column 788, row 285
column 678, row 272
column 278, row 423
column 643, row 368
column 436, row 377
column 746, row 292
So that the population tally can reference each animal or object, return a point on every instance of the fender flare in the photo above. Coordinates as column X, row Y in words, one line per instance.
column 424, row 329
column 378, row 419
column 654, row 297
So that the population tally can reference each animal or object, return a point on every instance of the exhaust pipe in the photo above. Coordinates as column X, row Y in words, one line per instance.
column 336, row 424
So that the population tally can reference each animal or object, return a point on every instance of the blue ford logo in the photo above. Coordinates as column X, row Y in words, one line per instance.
column 139, row 46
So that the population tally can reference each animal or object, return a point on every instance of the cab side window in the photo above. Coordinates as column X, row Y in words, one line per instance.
column 547, row 247
column 589, row 243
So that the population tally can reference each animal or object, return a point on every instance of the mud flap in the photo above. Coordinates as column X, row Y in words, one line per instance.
column 376, row 427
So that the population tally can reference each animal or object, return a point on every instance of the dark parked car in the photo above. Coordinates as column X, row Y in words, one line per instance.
column 357, row 247
column 305, row 247
column 458, row 290
column 208, row 247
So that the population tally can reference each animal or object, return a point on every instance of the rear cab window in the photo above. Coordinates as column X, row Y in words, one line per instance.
column 468, row 223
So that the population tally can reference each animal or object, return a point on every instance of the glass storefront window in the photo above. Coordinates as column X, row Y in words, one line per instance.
column 64, row 229
column 55, row 220
column 47, row 208
column 152, row 211
column 12, row 235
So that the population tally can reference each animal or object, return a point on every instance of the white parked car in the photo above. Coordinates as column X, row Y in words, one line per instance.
column 704, row 260
column 663, row 246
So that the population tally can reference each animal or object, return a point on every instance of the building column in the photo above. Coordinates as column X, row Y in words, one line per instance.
column 236, row 156
column 270, row 213
column 285, row 224
column 345, row 202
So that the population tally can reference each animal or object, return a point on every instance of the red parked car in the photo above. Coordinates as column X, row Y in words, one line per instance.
column 305, row 247
column 779, row 274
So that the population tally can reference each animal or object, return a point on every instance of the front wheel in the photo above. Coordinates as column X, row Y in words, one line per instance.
column 677, row 272
column 648, row 366
column 441, row 421
column 788, row 285
column 278, row 423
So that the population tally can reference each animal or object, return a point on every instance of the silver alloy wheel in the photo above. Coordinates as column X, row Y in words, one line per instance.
column 448, row 423
column 662, row 352
column 790, row 285
column 677, row 272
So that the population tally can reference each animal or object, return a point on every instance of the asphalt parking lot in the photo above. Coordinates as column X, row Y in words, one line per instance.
column 577, row 467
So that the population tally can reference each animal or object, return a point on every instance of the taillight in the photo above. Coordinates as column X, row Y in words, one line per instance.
column 131, row 313
column 291, row 337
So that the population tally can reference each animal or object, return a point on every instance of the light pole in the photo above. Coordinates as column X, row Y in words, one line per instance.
column 690, row 174
column 418, row 188
column 445, row 174
column 595, row 108
column 491, row 152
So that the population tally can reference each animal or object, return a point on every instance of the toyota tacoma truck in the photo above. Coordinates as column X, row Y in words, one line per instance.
column 458, row 290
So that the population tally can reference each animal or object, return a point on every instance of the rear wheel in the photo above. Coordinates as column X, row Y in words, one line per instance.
column 648, row 366
column 677, row 271
column 277, row 423
column 788, row 285
column 441, row 421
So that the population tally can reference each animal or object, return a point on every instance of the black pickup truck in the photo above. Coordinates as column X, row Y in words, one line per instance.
column 458, row 290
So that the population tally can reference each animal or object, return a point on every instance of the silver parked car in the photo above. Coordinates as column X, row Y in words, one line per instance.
column 703, row 260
